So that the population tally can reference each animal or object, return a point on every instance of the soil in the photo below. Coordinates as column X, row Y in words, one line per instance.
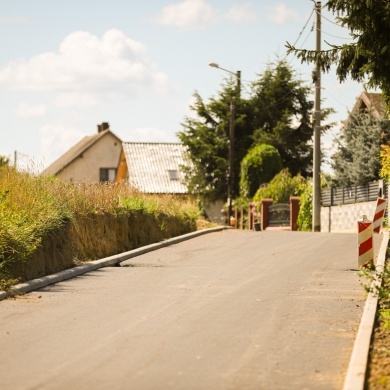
column 378, row 371
column 96, row 236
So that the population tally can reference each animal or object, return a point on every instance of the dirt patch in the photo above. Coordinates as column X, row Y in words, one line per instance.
column 97, row 236
column 378, row 372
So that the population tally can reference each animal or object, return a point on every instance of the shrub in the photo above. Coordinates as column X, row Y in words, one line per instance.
column 281, row 187
column 259, row 166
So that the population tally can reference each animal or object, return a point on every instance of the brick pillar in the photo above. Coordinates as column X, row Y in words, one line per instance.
column 294, row 211
column 265, row 203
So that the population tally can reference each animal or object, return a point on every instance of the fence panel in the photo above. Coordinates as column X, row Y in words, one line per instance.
column 354, row 194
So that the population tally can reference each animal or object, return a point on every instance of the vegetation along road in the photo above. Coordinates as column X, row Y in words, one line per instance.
column 226, row 310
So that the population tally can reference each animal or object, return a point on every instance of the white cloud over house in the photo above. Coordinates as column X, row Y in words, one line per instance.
column 84, row 65
column 13, row 21
column 56, row 139
column 241, row 13
column 280, row 14
column 31, row 110
column 186, row 15
column 150, row 134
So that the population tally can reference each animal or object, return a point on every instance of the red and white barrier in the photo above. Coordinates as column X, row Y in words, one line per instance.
column 365, row 243
column 379, row 213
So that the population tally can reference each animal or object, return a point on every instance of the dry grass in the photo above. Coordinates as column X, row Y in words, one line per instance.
column 32, row 206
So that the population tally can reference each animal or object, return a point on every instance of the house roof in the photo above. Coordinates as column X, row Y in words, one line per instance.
column 154, row 168
column 373, row 101
column 74, row 152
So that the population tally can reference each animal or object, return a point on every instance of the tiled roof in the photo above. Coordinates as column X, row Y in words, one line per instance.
column 62, row 162
column 154, row 168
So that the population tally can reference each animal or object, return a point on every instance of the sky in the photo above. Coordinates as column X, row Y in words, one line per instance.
column 67, row 66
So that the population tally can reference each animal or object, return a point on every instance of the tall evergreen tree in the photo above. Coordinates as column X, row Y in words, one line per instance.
column 281, row 116
column 275, row 113
column 367, row 58
column 357, row 159
column 207, row 139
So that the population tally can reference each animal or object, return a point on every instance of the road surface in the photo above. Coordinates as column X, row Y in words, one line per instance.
column 226, row 310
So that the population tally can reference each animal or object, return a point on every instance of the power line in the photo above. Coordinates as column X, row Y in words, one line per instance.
column 303, row 29
column 335, row 36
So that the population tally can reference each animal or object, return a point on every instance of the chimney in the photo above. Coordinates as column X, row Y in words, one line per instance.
column 103, row 126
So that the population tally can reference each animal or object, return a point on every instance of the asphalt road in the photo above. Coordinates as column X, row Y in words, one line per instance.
column 227, row 310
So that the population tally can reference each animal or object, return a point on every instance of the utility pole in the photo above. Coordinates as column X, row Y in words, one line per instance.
column 316, row 221
column 231, row 178
column 230, row 174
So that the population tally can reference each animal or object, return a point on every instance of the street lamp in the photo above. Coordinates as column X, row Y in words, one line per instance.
column 230, row 191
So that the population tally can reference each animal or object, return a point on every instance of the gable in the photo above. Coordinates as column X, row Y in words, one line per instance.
column 77, row 151
column 370, row 101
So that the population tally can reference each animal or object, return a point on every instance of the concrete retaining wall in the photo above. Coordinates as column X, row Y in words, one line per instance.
column 343, row 218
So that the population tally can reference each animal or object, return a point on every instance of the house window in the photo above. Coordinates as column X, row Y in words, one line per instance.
column 107, row 174
column 173, row 175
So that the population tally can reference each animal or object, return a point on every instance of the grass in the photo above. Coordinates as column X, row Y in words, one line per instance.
column 33, row 206
column 378, row 375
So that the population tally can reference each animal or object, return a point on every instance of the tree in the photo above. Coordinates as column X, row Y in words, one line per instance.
column 368, row 57
column 276, row 113
column 385, row 162
column 259, row 166
column 281, row 116
column 357, row 159
column 207, row 139
column 281, row 187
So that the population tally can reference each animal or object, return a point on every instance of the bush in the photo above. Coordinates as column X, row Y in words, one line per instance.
column 305, row 216
column 281, row 187
column 259, row 166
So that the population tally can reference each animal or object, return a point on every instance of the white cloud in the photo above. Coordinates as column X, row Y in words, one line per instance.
column 281, row 14
column 241, row 13
column 13, row 20
column 187, row 14
column 151, row 134
column 57, row 139
column 84, row 65
column 31, row 110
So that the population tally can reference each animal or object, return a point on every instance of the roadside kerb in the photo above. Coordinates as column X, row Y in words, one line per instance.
column 356, row 372
column 36, row 284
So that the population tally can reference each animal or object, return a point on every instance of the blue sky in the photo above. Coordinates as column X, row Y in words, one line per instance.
column 67, row 66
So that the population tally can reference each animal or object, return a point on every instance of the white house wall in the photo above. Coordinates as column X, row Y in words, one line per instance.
column 103, row 154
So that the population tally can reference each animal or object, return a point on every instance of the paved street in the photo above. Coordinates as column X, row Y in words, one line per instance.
column 227, row 310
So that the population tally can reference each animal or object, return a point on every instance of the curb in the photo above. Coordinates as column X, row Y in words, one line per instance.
column 36, row 284
column 356, row 372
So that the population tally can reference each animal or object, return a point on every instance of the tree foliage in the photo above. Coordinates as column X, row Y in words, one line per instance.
column 276, row 113
column 368, row 56
column 281, row 116
column 357, row 159
column 385, row 162
column 281, row 187
column 4, row 161
column 259, row 166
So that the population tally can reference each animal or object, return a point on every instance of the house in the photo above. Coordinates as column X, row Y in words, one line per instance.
column 153, row 168
column 370, row 101
column 94, row 158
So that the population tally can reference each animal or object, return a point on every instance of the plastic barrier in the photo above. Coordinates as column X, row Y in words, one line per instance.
column 379, row 213
column 365, row 243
